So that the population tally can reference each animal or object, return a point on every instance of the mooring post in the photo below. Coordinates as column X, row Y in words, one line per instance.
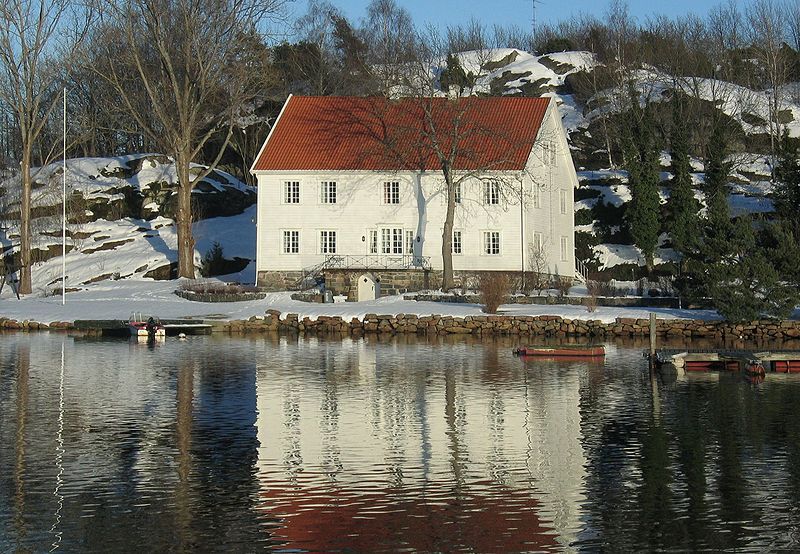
column 652, row 339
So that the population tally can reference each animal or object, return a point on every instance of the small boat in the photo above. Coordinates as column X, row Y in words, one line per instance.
column 146, row 326
column 565, row 351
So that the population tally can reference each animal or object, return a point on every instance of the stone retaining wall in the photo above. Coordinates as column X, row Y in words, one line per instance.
column 222, row 297
column 551, row 326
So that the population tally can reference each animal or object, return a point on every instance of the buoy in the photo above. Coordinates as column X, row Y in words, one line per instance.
column 181, row 336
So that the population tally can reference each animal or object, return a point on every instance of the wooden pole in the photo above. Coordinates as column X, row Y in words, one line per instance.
column 652, row 339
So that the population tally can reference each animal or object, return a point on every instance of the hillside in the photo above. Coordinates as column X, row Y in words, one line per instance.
column 119, row 221
column 603, row 194
column 120, row 209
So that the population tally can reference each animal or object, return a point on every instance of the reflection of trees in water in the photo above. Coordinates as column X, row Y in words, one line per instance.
column 23, row 370
column 183, row 439
column 705, row 472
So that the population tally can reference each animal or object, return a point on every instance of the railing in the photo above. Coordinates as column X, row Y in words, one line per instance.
column 377, row 261
column 312, row 276
column 581, row 271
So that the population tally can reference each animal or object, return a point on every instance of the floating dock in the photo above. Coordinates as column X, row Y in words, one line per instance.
column 118, row 327
column 688, row 361
column 563, row 351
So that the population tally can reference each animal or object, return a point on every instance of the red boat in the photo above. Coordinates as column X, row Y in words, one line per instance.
column 566, row 351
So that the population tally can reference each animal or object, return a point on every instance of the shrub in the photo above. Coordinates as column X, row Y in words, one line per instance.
column 213, row 262
column 605, row 288
column 495, row 288
column 562, row 285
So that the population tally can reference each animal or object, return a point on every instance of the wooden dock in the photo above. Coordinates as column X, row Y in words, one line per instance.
column 687, row 361
column 119, row 327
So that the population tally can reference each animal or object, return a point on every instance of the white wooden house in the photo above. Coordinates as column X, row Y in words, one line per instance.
column 352, row 185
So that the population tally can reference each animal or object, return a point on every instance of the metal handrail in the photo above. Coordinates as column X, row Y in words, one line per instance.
column 376, row 261
column 581, row 271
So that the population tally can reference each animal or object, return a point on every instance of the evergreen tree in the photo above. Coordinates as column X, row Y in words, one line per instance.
column 704, row 263
column 744, row 284
column 742, row 272
column 782, row 236
column 716, row 227
column 642, row 164
column 786, row 194
column 454, row 75
column 782, row 248
column 683, row 206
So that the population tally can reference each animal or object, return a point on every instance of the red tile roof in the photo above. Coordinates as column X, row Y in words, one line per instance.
column 357, row 133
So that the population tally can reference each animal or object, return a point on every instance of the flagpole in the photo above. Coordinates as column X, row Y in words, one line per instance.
column 64, row 208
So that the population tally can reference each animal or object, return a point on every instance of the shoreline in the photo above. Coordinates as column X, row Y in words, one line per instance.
column 478, row 325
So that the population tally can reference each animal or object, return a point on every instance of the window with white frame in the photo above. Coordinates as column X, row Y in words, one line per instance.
column 391, row 192
column 291, row 242
column 391, row 240
column 457, row 192
column 537, row 196
column 457, row 243
column 491, row 192
column 548, row 152
column 291, row 192
column 327, row 242
column 327, row 192
column 409, row 242
column 562, row 198
column 373, row 241
column 491, row 243
column 564, row 249
column 538, row 241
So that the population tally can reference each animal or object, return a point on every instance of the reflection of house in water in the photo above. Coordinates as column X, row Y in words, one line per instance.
column 418, row 446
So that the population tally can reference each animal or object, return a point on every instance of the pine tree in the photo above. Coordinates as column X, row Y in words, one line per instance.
column 742, row 271
column 745, row 284
column 642, row 164
column 454, row 75
column 786, row 194
column 704, row 264
column 683, row 206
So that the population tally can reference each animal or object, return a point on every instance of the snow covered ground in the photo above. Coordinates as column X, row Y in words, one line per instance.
column 118, row 299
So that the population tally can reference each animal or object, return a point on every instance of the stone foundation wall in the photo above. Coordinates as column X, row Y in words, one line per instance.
column 272, row 281
column 393, row 282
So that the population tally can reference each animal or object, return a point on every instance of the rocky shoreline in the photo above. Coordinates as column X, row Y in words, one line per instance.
column 549, row 326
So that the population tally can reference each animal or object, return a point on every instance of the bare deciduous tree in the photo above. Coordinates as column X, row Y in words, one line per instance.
column 182, row 73
column 389, row 33
column 37, row 39
column 767, row 20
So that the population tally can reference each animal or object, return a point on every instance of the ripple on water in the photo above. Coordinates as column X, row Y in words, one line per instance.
column 369, row 445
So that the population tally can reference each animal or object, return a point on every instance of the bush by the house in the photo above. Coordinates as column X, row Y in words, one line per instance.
column 495, row 288
column 562, row 284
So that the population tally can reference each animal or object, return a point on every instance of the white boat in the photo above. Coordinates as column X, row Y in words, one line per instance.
column 146, row 326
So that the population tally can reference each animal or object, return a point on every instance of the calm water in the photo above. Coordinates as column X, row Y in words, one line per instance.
column 361, row 445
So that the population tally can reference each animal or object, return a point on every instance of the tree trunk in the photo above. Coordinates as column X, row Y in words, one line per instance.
column 25, row 281
column 183, row 219
column 447, row 234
